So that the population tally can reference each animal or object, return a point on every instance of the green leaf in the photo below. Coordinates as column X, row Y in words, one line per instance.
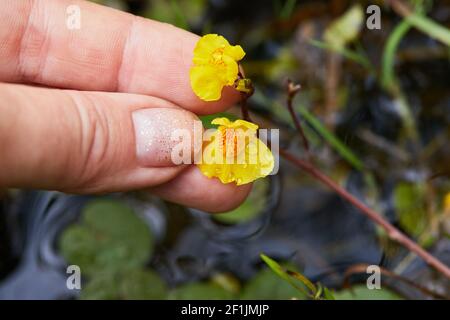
column 346, row 28
column 361, row 292
column 287, row 9
column 275, row 267
column 109, row 236
column 176, row 12
column 429, row 27
column 251, row 208
column 327, row 294
column 140, row 285
column 331, row 138
column 125, row 285
column 409, row 203
column 206, row 120
column 288, row 276
column 200, row 291
column 266, row 285
column 388, row 78
column 305, row 281
column 358, row 57
column 78, row 246
column 104, row 286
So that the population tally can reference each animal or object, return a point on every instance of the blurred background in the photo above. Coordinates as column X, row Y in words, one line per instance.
column 375, row 106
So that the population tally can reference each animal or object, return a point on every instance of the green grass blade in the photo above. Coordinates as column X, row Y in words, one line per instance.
column 346, row 53
column 429, row 27
column 388, row 79
column 279, row 271
column 331, row 138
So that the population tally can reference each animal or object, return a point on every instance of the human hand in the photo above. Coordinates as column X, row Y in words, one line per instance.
column 110, row 94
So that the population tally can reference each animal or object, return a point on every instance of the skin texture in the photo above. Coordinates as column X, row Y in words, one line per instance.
column 67, row 99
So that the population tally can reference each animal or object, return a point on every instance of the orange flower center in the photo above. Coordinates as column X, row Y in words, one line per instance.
column 229, row 139
column 216, row 57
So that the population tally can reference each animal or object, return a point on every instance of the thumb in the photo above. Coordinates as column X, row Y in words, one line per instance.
column 87, row 141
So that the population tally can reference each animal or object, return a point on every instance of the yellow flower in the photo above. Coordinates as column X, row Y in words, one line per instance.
column 447, row 202
column 215, row 66
column 235, row 154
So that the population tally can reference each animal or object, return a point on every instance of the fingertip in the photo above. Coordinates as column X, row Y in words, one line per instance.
column 224, row 197
column 191, row 188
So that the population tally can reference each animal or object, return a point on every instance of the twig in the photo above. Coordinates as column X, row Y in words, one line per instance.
column 292, row 90
column 392, row 232
column 245, row 94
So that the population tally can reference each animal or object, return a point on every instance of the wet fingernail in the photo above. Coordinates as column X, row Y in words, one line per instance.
column 154, row 129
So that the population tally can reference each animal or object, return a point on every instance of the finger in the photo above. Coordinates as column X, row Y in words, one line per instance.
column 193, row 189
column 87, row 141
column 111, row 51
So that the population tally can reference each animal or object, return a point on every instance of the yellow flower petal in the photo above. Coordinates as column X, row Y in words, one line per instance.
column 230, row 73
column 205, row 83
column 235, row 52
column 206, row 46
column 246, row 173
column 234, row 124
column 257, row 163
column 219, row 59
column 447, row 202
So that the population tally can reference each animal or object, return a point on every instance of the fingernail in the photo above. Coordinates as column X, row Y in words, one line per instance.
column 154, row 129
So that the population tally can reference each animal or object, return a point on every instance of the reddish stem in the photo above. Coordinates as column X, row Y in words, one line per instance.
column 292, row 91
column 244, row 107
column 392, row 232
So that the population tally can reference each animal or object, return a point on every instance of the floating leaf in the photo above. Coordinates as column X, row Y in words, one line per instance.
column 104, row 286
column 409, row 203
column 200, row 291
column 129, row 285
column 361, row 292
column 266, row 285
column 78, row 246
column 140, row 284
column 109, row 236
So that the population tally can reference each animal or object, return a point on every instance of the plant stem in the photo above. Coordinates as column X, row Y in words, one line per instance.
column 392, row 232
column 292, row 90
column 244, row 107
